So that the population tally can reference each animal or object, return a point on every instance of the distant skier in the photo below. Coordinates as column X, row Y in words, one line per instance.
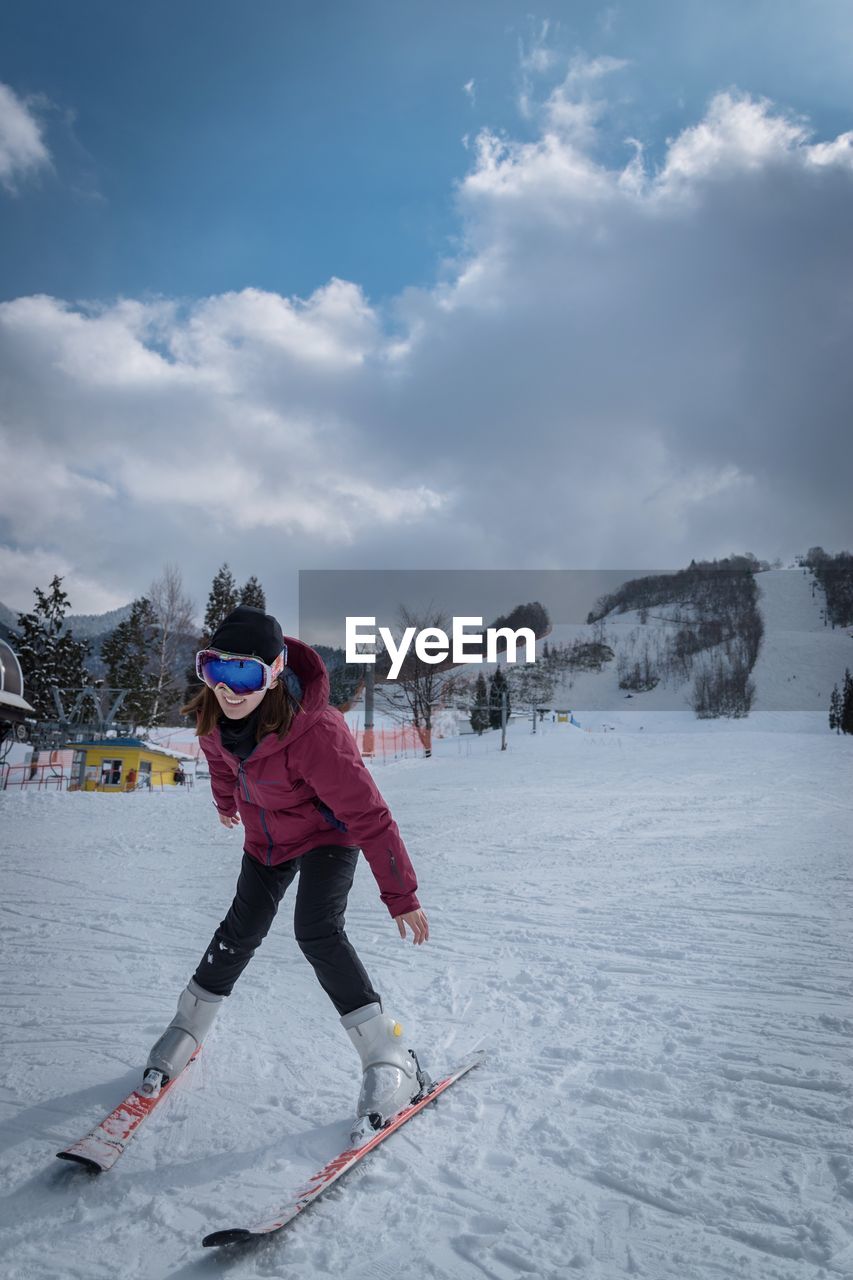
column 283, row 760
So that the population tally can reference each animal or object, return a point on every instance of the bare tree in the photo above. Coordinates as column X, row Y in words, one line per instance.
column 532, row 684
column 421, row 687
column 174, row 612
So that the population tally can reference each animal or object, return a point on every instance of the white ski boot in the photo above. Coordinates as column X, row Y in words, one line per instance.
column 197, row 1009
column 392, row 1074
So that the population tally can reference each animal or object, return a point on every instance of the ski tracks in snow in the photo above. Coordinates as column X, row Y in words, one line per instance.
column 652, row 943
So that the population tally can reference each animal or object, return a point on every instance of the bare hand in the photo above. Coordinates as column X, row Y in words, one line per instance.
column 233, row 821
column 417, row 922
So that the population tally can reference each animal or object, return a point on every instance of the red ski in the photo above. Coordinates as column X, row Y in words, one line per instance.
column 100, row 1149
column 338, row 1166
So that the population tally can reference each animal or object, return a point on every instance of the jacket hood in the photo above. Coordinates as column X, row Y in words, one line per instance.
column 311, row 672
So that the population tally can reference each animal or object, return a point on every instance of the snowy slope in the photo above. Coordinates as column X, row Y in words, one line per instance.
column 650, row 931
column 799, row 662
column 800, row 659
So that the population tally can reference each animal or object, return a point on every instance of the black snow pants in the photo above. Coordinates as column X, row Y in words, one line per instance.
column 325, row 879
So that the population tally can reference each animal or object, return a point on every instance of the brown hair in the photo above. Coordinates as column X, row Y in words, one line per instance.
column 278, row 708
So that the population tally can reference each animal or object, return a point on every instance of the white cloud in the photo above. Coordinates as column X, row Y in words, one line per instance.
column 738, row 132
column 570, row 110
column 538, row 56
column 20, row 571
column 112, row 347
column 333, row 329
column 584, row 70
column 625, row 367
column 22, row 147
column 228, row 415
column 38, row 485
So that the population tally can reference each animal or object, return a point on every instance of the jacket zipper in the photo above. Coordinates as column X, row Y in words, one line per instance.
column 262, row 812
column 245, row 784
column 395, row 870
column 268, row 836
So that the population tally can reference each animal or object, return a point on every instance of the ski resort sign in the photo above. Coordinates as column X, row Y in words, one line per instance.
column 433, row 645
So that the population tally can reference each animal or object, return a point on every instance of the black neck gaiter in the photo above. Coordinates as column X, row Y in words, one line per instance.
column 240, row 736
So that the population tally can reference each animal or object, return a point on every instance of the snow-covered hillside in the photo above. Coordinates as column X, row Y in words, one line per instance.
column 799, row 661
column 648, row 929
column 801, row 658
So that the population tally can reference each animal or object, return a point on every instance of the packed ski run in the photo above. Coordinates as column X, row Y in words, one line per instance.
column 647, row 928
column 340, row 1164
column 107, row 1142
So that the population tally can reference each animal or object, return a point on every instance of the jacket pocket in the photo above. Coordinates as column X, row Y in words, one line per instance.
column 326, row 812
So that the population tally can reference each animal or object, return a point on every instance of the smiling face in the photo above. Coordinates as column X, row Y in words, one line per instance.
column 237, row 705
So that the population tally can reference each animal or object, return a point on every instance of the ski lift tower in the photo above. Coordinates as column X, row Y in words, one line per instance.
column 15, row 711
column 92, row 712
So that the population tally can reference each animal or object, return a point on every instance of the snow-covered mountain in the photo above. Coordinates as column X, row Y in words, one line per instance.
column 799, row 661
column 88, row 625
column 83, row 626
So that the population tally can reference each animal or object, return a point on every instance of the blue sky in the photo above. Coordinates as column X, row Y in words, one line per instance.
column 203, row 145
column 397, row 285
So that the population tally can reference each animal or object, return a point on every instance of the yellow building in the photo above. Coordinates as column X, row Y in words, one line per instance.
column 121, row 764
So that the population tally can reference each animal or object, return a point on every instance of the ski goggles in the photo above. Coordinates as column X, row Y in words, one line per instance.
column 240, row 673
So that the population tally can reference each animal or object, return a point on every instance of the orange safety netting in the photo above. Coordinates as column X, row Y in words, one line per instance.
column 392, row 744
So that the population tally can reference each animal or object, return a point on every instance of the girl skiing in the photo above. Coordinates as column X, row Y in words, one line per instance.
column 283, row 761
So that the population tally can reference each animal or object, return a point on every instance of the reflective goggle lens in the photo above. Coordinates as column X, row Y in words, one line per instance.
column 242, row 675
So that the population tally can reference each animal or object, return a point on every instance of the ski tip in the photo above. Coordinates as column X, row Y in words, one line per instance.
column 236, row 1235
column 91, row 1165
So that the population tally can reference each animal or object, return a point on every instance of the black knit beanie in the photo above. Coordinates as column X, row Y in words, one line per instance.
column 249, row 631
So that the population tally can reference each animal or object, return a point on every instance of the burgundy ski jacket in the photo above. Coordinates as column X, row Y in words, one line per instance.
column 311, row 788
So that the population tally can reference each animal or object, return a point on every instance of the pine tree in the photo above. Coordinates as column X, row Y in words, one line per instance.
column 222, row 599
column 253, row 594
column 50, row 660
column 835, row 710
column 497, row 687
column 480, row 710
column 130, row 657
column 847, row 704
